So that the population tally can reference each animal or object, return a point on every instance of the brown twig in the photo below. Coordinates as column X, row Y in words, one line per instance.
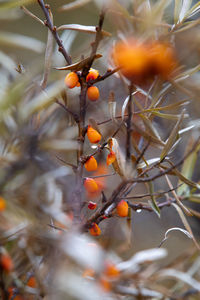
column 48, row 22
column 142, row 206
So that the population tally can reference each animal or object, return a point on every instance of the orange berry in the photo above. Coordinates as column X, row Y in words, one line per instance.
column 90, row 185
column 92, row 205
column 6, row 262
column 2, row 204
column 93, row 93
column 95, row 230
column 92, row 75
column 122, row 208
column 91, row 164
column 111, row 270
column 32, row 282
column 93, row 136
column 111, row 158
column 71, row 80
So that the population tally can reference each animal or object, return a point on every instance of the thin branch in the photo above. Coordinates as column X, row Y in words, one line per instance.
column 142, row 206
column 30, row 14
column 74, row 115
column 106, row 75
column 52, row 28
column 154, row 194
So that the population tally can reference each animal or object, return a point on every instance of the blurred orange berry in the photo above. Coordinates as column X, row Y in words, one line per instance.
column 95, row 230
column 105, row 284
column 141, row 61
column 110, row 158
column 92, row 205
column 71, row 80
column 91, row 164
column 163, row 61
column 111, row 270
column 122, row 208
column 32, row 282
column 2, row 204
column 93, row 136
column 132, row 56
column 88, row 273
column 6, row 262
column 93, row 93
column 92, row 75
column 12, row 294
column 90, row 185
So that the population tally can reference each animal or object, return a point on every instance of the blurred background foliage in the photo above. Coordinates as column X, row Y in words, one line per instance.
column 37, row 186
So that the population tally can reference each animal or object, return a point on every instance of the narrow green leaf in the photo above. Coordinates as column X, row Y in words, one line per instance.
column 74, row 5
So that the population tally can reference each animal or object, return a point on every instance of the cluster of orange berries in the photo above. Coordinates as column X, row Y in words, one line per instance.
column 72, row 80
column 13, row 292
column 91, row 164
column 109, row 274
column 122, row 211
column 141, row 61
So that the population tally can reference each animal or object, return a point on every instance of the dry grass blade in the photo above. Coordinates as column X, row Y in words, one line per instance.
column 20, row 41
column 79, row 65
column 48, row 58
column 74, row 5
column 82, row 28
column 186, row 210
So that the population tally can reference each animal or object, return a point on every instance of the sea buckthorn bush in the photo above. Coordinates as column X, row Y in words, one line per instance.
column 99, row 149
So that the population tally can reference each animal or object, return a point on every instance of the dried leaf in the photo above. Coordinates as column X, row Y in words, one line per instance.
column 153, row 202
column 172, row 138
column 185, row 223
column 175, row 229
column 79, row 65
column 82, row 28
column 151, row 129
column 181, row 276
column 188, row 166
column 184, row 9
column 112, row 110
column 119, row 164
column 125, row 104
